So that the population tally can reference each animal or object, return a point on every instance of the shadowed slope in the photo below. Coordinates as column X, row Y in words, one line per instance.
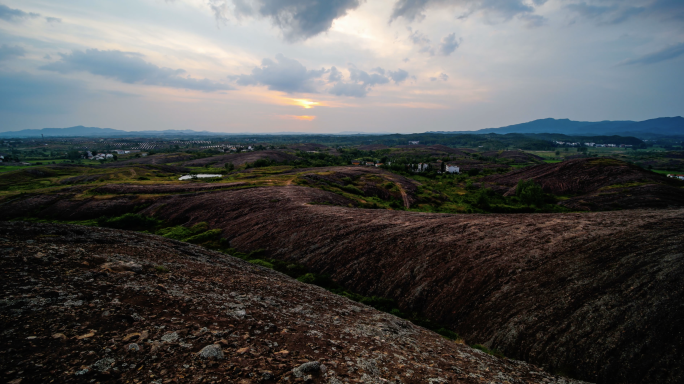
column 596, row 296
column 597, row 184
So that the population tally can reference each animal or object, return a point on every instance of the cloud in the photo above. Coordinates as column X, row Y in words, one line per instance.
column 10, row 14
column 335, row 75
column 414, row 10
column 449, row 44
column 533, row 21
column 615, row 12
column 367, row 79
column 7, row 52
column 290, row 76
column 669, row 53
column 421, row 40
column 283, row 74
column 361, row 82
column 349, row 89
column 442, row 76
column 53, row 20
column 129, row 68
column 297, row 19
column 398, row 76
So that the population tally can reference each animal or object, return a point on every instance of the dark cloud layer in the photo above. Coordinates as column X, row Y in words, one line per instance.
column 129, row 68
column 668, row 53
column 10, row 14
column 290, row 76
column 7, row 52
column 283, row 74
column 297, row 19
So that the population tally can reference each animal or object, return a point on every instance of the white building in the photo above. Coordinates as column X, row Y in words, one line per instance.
column 421, row 167
column 452, row 169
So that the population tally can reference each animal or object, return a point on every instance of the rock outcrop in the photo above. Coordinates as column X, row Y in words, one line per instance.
column 203, row 317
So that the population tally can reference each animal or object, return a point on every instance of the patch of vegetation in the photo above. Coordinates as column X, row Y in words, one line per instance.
column 130, row 221
column 492, row 352
column 161, row 269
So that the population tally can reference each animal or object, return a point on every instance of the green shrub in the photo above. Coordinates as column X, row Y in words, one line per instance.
column 379, row 303
column 492, row 352
column 182, row 233
column 161, row 269
column 529, row 193
column 263, row 263
column 213, row 234
column 449, row 334
column 351, row 189
column 131, row 221
column 295, row 270
column 263, row 163
column 309, row 278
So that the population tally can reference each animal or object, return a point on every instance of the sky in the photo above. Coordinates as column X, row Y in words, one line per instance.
column 330, row 66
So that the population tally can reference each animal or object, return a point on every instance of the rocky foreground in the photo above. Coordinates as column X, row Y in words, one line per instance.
column 82, row 304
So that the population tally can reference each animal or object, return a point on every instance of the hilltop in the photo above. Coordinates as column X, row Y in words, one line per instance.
column 596, row 184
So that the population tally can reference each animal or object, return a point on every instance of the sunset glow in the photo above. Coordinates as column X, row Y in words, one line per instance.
column 305, row 103
column 296, row 117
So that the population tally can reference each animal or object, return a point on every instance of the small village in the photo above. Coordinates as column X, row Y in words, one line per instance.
column 594, row 145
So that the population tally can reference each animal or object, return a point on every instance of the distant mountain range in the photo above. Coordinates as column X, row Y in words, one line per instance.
column 81, row 131
column 663, row 126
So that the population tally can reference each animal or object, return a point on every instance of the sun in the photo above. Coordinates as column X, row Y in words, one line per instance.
column 305, row 103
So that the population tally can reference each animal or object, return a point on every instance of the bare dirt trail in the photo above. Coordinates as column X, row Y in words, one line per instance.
column 404, row 195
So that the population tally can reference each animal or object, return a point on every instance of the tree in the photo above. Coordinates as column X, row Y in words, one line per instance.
column 73, row 155
column 529, row 192
column 115, row 157
column 229, row 167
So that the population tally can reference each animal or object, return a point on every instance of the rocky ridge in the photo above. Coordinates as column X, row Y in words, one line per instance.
column 83, row 304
